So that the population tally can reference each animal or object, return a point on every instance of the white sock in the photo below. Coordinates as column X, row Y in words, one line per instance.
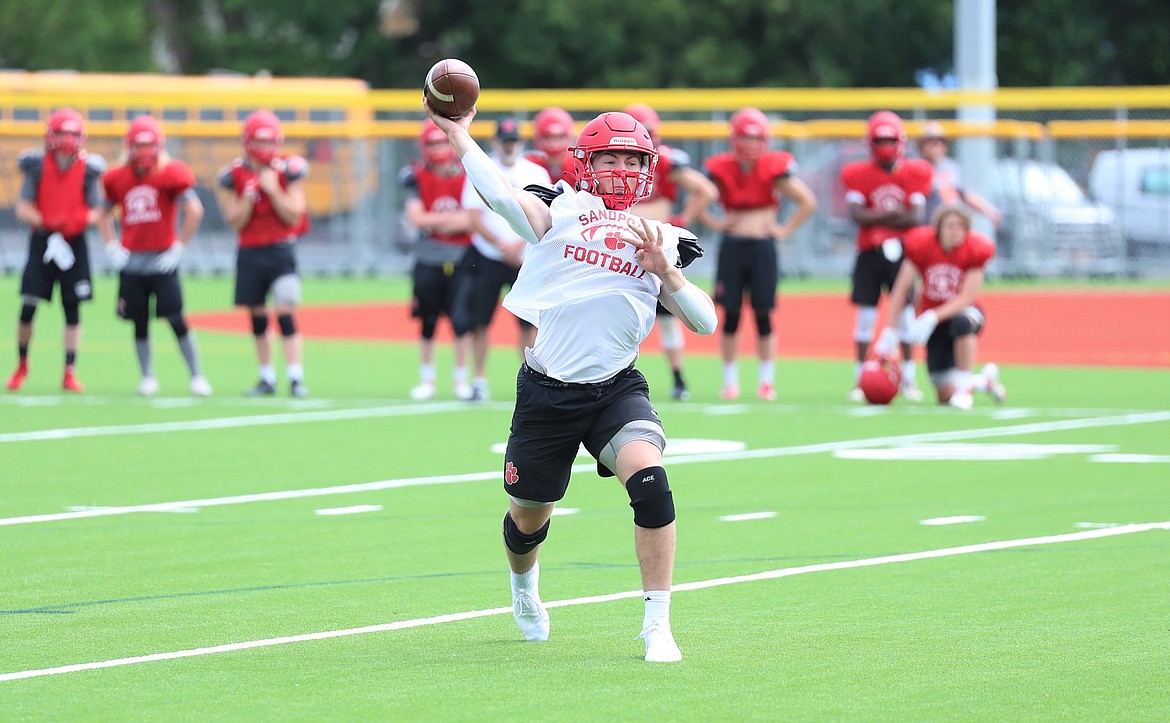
column 426, row 373
column 978, row 382
column 909, row 368
column 657, row 605
column 268, row 374
column 963, row 381
column 856, row 373
column 460, row 375
column 296, row 372
column 731, row 374
column 480, row 383
column 528, row 581
column 767, row 372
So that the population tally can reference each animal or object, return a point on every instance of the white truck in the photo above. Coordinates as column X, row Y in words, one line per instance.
column 1135, row 182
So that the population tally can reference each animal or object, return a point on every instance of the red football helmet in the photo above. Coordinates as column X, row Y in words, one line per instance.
column 748, row 127
column 144, row 142
column 65, row 132
column 647, row 116
column 615, row 132
column 881, row 377
column 432, row 142
column 886, row 125
column 262, row 136
column 552, row 130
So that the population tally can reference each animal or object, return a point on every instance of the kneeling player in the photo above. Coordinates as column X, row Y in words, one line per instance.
column 950, row 258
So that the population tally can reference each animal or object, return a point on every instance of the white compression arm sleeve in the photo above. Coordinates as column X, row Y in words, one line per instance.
column 697, row 309
column 494, row 188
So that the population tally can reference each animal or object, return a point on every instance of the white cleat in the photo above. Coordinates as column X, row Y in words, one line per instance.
column 423, row 391
column 961, row 400
column 995, row 388
column 856, row 395
column 531, row 615
column 464, row 391
column 200, row 387
column 148, row 387
column 660, row 645
column 912, row 392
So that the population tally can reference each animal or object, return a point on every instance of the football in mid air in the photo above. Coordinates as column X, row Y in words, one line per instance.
column 452, row 87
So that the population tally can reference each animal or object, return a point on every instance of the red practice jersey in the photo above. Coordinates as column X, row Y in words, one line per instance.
column 943, row 272
column 438, row 192
column 63, row 194
column 754, row 188
column 872, row 186
column 149, row 203
column 265, row 228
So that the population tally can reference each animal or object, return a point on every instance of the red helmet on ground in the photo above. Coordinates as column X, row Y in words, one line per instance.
column 886, row 126
column 436, row 149
column 748, row 127
column 144, row 142
column 881, row 377
column 65, row 132
column 615, row 132
column 262, row 136
column 647, row 116
column 552, row 130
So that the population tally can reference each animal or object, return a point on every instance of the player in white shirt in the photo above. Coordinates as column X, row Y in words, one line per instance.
column 590, row 280
column 495, row 256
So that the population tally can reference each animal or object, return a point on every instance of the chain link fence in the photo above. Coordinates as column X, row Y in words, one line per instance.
column 1083, row 184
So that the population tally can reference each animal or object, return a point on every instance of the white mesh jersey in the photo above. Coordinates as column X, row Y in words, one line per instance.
column 581, row 286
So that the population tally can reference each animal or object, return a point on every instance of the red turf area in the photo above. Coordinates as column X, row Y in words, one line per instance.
column 1106, row 328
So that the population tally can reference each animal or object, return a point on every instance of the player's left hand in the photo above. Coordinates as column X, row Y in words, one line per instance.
column 648, row 240
column 168, row 260
column 922, row 327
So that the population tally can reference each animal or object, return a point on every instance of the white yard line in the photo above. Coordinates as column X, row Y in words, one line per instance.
column 1011, row 430
column 698, row 585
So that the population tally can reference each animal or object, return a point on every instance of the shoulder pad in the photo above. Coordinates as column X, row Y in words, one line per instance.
column 688, row 249
column 295, row 168
column 30, row 160
column 408, row 176
column 545, row 193
column 95, row 165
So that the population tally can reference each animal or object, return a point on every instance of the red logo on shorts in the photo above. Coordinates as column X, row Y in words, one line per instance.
column 511, row 476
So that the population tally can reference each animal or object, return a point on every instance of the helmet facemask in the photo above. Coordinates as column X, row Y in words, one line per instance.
column 619, row 188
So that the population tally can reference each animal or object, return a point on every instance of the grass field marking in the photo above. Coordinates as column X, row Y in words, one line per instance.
column 953, row 520
column 747, row 516
column 256, row 420
column 698, row 585
column 1030, row 428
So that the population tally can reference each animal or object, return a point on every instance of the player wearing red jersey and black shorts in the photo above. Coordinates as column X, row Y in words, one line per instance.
column 149, row 189
column 265, row 203
column 434, row 207
column 552, row 132
column 58, row 199
column 672, row 176
column 886, row 195
column 751, row 182
column 949, row 258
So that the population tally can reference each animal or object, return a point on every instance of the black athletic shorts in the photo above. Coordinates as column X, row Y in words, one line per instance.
column 257, row 267
column 553, row 419
column 478, row 292
column 872, row 272
column 747, row 265
column 135, row 292
column 940, row 347
column 39, row 277
column 433, row 289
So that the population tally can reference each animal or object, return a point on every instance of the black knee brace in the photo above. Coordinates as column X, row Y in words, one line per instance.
column 141, row 329
column 969, row 322
column 259, row 324
column 650, row 497
column 27, row 312
column 429, row 325
column 763, row 321
column 288, row 325
column 179, row 324
column 72, row 314
column 730, row 321
column 517, row 541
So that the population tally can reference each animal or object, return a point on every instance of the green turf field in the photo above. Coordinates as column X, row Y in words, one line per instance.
column 175, row 559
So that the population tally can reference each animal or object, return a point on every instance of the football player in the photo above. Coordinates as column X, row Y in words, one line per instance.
column 59, row 198
column 589, row 283
column 264, row 200
column 148, row 190
column 886, row 195
column 949, row 258
column 752, row 182
column 552, row 133
column 672, row 175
